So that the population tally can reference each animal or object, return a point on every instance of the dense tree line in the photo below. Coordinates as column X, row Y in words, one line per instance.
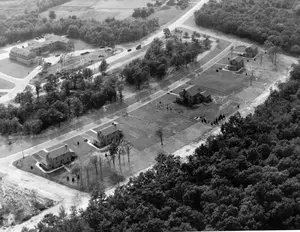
column 44, row 5
column 262, row 21
column 76, row 94
column 160, row 57
column 109, row 32
column 246, row 178
column 142, row 12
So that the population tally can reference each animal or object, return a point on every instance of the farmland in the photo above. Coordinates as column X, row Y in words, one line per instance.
column 98, row 10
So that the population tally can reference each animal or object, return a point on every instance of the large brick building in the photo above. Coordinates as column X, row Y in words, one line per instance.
column 107, row 135
column 28, row 55
column 23, row 56
column 52, row 42
column 58, row 157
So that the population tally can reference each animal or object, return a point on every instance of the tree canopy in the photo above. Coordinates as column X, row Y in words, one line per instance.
column 246, row 178
column 262, row 21
column 108, row 32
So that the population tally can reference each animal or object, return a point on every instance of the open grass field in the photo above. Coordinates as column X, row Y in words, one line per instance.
column 98, row 9
column 15, row 7
column 6, row 84
column 15, row 69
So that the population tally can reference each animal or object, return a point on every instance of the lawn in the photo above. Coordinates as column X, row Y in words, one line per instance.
column 98, row 10
column 6, row 84
column 15, row 69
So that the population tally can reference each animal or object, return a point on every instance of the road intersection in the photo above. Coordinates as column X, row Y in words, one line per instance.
column 64, row 195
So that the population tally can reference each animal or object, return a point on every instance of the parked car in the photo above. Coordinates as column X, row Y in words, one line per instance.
column 129, row 50
column 57, row 55
column 139, row 47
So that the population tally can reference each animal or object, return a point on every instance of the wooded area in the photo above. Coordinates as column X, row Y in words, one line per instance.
column 160, row 57
column 109, row 32
column 77, row 94
column 246, row 178
column 271, row 21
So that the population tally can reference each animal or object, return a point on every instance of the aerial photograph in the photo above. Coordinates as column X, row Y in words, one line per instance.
column 149, row 115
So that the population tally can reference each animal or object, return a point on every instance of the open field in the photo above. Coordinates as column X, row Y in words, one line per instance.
column 97, row 9
column 15, row 7
column 6, row 84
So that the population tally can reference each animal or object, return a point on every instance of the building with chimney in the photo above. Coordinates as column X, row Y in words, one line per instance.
column 58, row 157
column 108, row 135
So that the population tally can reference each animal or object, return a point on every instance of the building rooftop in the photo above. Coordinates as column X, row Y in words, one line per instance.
column 237, row 58
column 193, row 90
column 253, row 47
column 58, row 151
column 49, row 39
column 109, row 130
column 22, row 51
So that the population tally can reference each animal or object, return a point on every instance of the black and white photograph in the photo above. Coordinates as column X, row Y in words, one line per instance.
column 149, row 115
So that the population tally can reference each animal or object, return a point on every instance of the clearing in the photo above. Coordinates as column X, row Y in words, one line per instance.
column 19, row 205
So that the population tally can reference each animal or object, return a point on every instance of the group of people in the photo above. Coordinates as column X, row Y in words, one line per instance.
column 216, row 121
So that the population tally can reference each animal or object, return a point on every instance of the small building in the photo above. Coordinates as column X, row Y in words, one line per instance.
column 23, row 56
column 107, row 135
column 251, row 51
column 236, row 63
column 192, row 95
column 58, row 157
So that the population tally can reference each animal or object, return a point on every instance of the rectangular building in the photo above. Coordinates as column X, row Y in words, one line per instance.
column 236, row 63
column 251, row 51
column 192, row 95
column 107, row 135
column 58, row 157
column 23, row 56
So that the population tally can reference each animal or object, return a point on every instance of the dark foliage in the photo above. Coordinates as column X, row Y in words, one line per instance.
column 109, row 32
column 265, row 21
column 77, row 94
column 159, row 58
column 246, row 178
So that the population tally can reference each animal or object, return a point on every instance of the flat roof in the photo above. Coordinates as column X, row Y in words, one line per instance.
column 22, row 51
column 49, row 39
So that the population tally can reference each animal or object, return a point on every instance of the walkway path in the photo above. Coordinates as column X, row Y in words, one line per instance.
column 56, row 191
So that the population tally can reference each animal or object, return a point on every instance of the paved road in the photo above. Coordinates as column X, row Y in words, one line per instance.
column 20, row 84
column 56, row 191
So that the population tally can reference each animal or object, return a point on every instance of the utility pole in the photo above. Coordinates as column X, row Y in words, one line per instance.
column 22, row 149
column 261, row 58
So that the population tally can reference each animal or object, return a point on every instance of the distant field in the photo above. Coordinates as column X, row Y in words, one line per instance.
column 98, row 9
column 5, row 84
column 14, row 7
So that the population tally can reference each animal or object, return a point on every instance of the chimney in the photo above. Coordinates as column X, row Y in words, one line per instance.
column 114, row 124
column 66, row 146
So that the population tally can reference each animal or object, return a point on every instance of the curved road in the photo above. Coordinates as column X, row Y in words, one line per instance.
column 52, row 190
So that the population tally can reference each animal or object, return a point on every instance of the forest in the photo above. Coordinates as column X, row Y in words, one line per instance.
column 245, row 178
column 160, row 57
column 266, row 21
column 77, row 94
column 109, row 32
